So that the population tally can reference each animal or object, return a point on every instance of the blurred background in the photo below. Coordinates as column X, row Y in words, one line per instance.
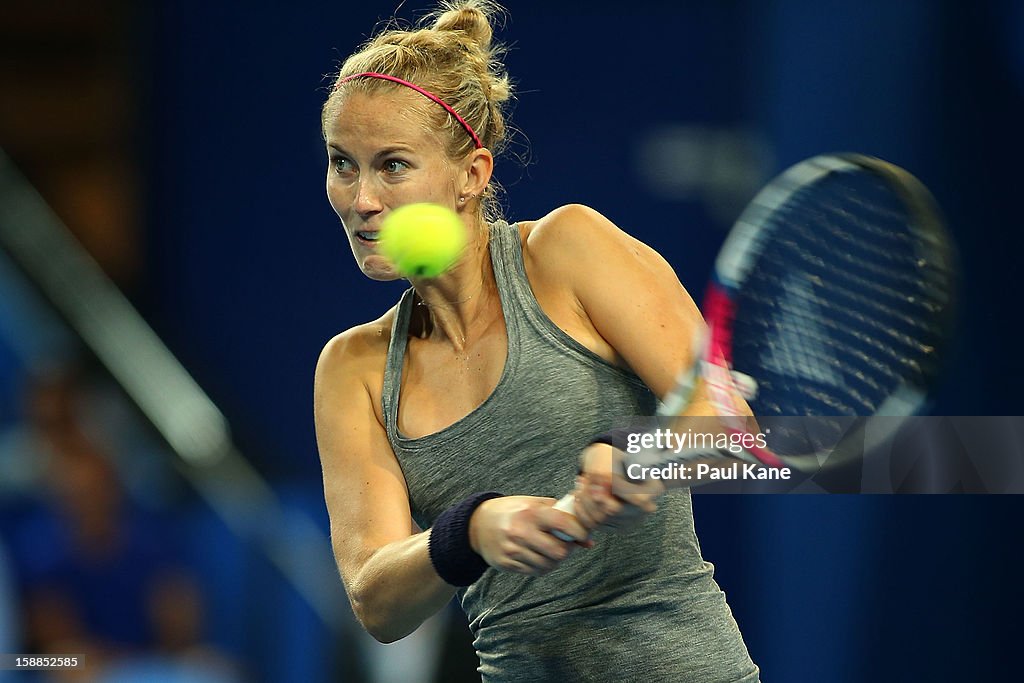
column 167, row 520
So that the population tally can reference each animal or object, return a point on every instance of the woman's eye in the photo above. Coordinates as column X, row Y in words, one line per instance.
column 341, row 165
column 394, row 166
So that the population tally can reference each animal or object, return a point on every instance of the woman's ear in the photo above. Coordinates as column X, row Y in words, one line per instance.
column 477, row 171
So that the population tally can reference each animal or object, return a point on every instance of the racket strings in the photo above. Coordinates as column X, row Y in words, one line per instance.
column 831, row 330
column 832, row 301
column 874, row 262
column 844, row 308
column 858, row 274
column 871, row 234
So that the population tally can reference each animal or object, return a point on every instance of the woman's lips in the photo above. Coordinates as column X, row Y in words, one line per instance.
column 368, row 237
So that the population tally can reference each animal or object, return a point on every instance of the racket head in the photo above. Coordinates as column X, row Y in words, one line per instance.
column 833, row 296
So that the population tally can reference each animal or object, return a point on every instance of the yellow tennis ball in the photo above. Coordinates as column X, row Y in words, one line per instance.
column 422, row 240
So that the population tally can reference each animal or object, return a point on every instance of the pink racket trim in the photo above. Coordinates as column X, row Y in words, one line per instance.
column 425, row 93
column 720, row 311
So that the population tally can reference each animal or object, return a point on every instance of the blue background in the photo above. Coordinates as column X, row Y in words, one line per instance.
column 248, row 273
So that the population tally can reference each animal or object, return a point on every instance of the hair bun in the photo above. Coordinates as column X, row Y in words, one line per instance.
column 472, row 17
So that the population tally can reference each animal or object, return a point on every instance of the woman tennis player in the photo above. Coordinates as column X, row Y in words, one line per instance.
column 447, row 426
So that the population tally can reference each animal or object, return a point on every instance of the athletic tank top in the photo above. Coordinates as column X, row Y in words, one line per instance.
column 640, row 605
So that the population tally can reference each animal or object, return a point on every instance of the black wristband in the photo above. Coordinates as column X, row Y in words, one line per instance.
column 451, row 554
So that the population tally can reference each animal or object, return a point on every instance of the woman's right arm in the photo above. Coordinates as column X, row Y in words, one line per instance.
column 385, row 566
column 383, row 558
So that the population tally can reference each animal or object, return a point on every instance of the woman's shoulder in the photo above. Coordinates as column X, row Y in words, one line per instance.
column 358, row 348
column 573, row 238
column 562, row 225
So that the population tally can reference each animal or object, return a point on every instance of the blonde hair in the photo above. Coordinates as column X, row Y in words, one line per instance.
column 453, row 56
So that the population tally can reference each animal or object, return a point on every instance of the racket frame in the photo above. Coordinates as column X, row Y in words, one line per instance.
column 712, row 363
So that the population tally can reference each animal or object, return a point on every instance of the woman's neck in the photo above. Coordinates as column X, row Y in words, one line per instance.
column 461, row 303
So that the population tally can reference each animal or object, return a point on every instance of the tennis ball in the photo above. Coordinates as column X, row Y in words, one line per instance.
column 422, row 240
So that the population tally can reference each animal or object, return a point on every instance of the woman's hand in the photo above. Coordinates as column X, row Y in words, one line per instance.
column 605, row 498
column 514, row 534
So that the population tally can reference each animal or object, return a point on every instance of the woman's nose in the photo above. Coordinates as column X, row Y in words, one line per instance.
column 367, row 197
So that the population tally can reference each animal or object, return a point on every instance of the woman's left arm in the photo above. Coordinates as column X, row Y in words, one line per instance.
column 633, row 301
column 624, row 289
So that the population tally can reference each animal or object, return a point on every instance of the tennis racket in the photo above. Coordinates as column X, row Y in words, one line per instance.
column 832, row 296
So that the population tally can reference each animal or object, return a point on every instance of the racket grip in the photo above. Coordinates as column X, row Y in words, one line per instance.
column 567, row 503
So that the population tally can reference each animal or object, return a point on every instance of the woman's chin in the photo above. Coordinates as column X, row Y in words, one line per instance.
column 382, row 276
column 378, row 268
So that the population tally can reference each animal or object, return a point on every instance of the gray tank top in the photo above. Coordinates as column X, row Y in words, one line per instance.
column 639, row 606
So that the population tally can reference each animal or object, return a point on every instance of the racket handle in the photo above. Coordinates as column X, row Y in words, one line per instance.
column 566, row 504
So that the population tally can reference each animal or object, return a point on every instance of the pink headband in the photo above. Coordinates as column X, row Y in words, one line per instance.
column 425, row 93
